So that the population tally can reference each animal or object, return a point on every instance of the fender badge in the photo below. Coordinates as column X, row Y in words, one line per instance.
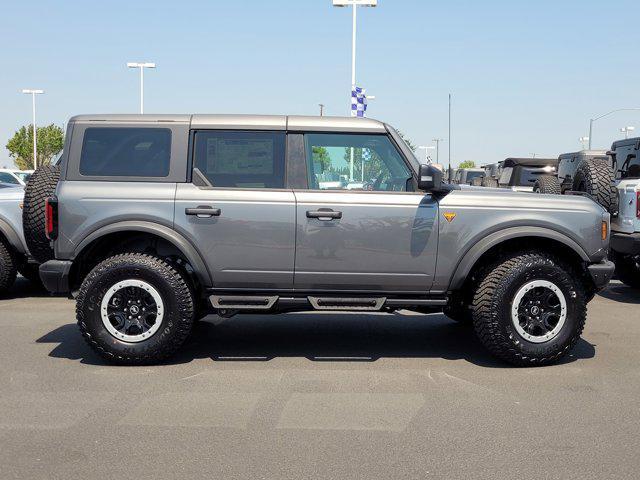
column 449, row 216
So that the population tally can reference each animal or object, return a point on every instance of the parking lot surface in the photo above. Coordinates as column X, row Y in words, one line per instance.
column 317, row 396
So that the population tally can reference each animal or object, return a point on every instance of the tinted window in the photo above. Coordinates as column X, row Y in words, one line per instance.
column 8, row 178
column 126, row 152
column 529, row 175
column 354, row 162
column 241, row 159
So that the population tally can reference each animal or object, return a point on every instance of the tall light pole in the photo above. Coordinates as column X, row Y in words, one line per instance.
column 321, row 105
column 438, row 140
column 583, row 141
column 426, row 151
column 606, row 115
column 33, row 94
column 141, row 66
column 626, row 131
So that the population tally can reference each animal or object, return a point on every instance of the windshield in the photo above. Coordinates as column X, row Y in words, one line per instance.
column 472, row 175
column 24, row 176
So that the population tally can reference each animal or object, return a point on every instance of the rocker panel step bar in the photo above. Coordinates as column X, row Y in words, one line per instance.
column 344, row 303
column 243, row 302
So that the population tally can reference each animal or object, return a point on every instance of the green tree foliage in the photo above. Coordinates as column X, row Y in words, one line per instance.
column 20, row 146
column 467, row 164
column 321, row 156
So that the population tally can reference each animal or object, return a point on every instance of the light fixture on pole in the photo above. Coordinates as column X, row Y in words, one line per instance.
column 626, row 131
column 584, row 141
column 141, row 66
column 426, row 151
column 438, row 140
column 606, row 115
column 33, row 94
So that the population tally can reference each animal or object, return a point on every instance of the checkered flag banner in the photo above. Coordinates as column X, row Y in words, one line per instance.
column 358, row 102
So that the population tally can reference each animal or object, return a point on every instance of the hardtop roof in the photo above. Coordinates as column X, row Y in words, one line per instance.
column 531, row 162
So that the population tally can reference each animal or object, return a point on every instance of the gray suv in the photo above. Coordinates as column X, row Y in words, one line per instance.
column 157, row 221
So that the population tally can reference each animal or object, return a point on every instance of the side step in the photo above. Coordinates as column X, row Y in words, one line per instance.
column 243, row 302
column 341, row 303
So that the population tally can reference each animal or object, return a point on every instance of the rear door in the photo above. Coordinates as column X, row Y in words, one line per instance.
column 360, row 225
column 236, row 209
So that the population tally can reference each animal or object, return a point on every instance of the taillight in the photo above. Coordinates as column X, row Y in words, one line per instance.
column 51, row 218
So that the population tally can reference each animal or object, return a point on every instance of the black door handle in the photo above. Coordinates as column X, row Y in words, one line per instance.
column 203, row 211
column 324, row 214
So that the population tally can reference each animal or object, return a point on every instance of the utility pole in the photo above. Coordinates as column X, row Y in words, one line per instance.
column 33, row 94
column 438, row 140
column 449, row 135
column 141, row 66
column 321, row 109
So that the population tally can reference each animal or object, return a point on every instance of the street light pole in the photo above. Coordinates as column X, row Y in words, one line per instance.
column 583, row 141
column 33, row 94
column 438, row 140
column 321, row 109
column 141, row 66
column 626, row 131
column 606, row 115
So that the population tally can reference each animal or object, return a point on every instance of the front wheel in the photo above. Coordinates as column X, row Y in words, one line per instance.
column 530, row 309
column 135, row 309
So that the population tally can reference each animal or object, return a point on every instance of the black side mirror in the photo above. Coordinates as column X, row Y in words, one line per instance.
column 430, row 178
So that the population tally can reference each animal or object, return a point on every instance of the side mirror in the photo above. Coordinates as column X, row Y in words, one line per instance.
column 430, row 178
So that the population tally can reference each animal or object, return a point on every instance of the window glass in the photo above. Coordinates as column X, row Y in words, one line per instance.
column 126, row 152
column 354, row 162
column 241, row 159
column 8, row 178
column 24, row 176
column 529, row 175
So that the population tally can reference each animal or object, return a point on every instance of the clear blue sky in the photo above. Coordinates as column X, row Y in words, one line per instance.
column 526, row 76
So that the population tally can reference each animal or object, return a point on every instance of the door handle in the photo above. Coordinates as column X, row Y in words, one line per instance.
column 203, row 211
column 324, row 214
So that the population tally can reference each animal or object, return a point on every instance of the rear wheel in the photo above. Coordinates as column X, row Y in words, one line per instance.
column 7, row 267
column 529, row 309
column 31, row 272
column 40, row 186
column 135, row 309
column 595, row 177
column 547, row 184
column 628, row 269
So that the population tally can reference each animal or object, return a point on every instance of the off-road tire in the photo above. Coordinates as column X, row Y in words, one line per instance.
column 595, row 177
column 176, row 294
column 628, row 269
column 477, row 182
column 547, row 184
column 7, row 267
column 40, row 186
column 489, row 182
column 31, row 271
column 493, row 299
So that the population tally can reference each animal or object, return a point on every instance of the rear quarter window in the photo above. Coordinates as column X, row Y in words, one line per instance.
column 126, row 152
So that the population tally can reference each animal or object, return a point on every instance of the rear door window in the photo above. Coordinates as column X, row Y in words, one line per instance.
column 241, row 159
column 126, row 152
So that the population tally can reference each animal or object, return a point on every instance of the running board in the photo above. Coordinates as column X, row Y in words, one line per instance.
column 243, row 302
column 343, row 303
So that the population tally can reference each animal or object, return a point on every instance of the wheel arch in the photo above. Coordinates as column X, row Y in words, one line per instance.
column 513, row 239
column 11, row 236
column 125, row 229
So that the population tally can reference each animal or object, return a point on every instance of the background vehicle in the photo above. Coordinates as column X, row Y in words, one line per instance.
column 491, row 175
column 520, row 174
column 14, row 254
column 466, row 176
column 15, row 177
column 158, row 220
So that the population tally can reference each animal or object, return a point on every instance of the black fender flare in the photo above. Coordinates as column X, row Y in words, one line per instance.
column 476, row 251
column 190, row 252
column 12, row 237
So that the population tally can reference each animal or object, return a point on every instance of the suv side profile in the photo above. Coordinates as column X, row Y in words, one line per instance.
column 157, row 221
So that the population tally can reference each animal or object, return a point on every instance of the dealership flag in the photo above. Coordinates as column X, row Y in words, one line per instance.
column 358, row 102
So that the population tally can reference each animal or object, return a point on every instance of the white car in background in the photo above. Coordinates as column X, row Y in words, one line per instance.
column 15, row 177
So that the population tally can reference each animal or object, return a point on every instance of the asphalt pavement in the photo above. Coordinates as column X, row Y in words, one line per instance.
column 313, row 395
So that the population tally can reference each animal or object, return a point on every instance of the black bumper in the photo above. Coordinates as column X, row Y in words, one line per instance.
column 601, row 273
column 55, row 275
column 626, row 243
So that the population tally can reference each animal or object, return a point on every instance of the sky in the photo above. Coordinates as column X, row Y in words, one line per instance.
column 526, row 76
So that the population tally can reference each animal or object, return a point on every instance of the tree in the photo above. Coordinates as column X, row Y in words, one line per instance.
column 467, row 164
column 20, row 146
column 321, row 156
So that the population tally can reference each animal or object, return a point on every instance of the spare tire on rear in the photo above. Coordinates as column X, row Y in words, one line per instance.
column 489, row 182
column 595, row 177
column 40, row 186
column 547, row 184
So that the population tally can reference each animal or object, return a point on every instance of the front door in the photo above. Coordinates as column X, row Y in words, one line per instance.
column 237, row 212
column 360, row 227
